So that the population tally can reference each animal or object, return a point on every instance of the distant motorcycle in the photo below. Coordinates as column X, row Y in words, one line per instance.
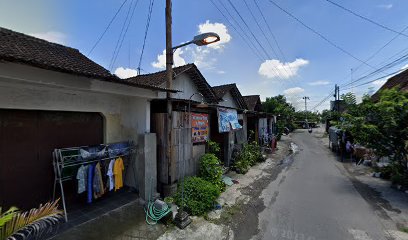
column 310, row 130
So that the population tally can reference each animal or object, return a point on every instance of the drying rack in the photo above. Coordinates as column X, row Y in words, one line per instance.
column 67, row 160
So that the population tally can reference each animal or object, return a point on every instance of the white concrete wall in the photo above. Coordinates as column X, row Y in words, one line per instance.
column 126, row 109
column 183, row 83
column 229, row 101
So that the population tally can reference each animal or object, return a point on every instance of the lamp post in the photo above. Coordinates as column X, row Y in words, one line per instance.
column 200, row 40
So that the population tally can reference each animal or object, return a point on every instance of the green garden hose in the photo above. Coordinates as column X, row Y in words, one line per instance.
column 152, row 212
column 155, row 214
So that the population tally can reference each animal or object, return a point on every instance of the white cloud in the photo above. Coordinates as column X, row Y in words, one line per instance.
column 125, row 72
column 177, row 58
column 51, row 36
column 293, row 91
column 202, row 56
column 380, row 82
column 385, row 6
column 221, row 72
column 218, row 28
column 274, row 68
column 319, row 83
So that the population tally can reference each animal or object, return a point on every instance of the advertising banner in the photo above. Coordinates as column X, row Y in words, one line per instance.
column 200, row 127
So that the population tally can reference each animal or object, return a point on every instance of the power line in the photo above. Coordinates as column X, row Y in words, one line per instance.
column 273, row 35
column 366, row 18
column 259, row 26
column 236, row 30
column 319, row 34
column 371, row 81
column 249, row 29
column 124, row 34
column 106, row 29
column 149, row 15
column 324, row 100
column 120, row 35
column 381, row 69
column 248, row 38
column 380, row 49
column 263, row 33
column 256, row 39
column 240, row 27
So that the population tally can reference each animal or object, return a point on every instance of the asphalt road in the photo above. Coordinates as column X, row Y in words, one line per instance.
column 314, row 200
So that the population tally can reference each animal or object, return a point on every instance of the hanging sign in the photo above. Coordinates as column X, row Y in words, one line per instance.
column 227, row 120
column 199, row 126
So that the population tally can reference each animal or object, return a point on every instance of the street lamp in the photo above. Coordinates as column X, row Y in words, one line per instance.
column 201, row 40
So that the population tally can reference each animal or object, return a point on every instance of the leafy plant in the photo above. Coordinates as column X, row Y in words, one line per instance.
column 249, row 156
column 199, row 195
column 13, row 220
column 382, row 125
column 213, row 147
column 256, row 151
column 211, row 170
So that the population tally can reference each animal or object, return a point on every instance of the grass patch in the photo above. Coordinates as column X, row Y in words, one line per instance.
column 227, row 213
column 403, row 229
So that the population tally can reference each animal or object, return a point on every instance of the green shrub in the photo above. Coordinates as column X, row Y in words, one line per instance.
column 213, row 147
column 199, row 195
column 249, row 156
column 211, row 170
column 256, row 151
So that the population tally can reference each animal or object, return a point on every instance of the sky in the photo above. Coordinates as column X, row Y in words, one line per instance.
column 263, row 56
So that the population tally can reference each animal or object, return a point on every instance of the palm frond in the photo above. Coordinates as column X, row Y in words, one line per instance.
column 14, row 221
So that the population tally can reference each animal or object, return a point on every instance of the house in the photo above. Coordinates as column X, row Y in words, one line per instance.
column 231, row 133
column 52, row 96
column 262, row 124
column 400, row 81
column 188, row 144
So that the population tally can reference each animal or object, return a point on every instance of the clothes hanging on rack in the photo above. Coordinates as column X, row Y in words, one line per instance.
column 98, row 188
column 82, row 178
column 118, row 169
column 91, row 172
column 109, row 173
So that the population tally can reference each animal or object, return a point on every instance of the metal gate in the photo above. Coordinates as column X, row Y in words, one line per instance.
column 27, row 139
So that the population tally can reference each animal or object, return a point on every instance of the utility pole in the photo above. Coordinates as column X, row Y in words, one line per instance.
column 169, row 81
column 182, row 218
column 336, row 98
column 306, row 98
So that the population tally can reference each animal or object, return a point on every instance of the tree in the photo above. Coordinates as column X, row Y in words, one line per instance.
column 280, row 107
column 349, row 98
column 382, row 125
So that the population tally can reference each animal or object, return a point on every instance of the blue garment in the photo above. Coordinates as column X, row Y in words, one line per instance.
column 91, row 172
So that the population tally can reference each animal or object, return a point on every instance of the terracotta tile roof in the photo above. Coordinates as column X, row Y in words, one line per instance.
column 253, row 102
column 158, row 79
column 21, row 48
column 400, row 81
column 223, row 89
